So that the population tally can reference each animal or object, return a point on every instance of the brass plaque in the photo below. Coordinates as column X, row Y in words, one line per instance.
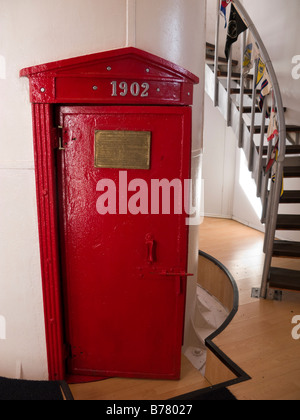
column 122, row 149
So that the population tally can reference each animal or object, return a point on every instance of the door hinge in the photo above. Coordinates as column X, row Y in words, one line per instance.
column 67, row 349
column 54, row 137
column 175, row 274
column 57, row 138
column 60, row 138
column 178, row 275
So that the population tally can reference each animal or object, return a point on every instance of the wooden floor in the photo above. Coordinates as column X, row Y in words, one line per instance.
column 259, row 338
column 140, row 389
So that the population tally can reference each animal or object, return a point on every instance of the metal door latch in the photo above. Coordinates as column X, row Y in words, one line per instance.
column 60, row 138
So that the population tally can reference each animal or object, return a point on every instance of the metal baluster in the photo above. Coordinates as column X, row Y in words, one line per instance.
column 261, row 148
column 270, row 194
column 242, row 87
column 250, row 159
column 229, row 73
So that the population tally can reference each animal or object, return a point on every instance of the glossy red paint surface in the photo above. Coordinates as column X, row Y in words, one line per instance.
column 120, row 77
column 124, row 308
column 46, row 191
column 97, row 78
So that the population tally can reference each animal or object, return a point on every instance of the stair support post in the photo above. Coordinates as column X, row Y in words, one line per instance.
column 271, row 227
column 216, row 62
column 265, row 193
column 242, row 86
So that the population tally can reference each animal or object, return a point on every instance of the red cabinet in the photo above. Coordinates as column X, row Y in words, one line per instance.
column 111, row 194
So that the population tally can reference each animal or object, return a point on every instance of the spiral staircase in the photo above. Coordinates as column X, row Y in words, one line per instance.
column 236, row 97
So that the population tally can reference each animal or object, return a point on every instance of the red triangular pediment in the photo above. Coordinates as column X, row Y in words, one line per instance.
column 126, row 61
column 88, row 79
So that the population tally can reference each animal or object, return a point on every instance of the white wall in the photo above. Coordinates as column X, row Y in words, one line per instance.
column 40, row 31
column 219, row 155
column 229, row 190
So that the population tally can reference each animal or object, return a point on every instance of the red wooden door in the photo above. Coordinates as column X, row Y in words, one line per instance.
column 123, row 274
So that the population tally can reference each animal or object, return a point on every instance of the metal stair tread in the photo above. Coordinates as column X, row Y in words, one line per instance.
column 286, row 249
column 221, row 60
column 290, row 197
column 234, row 75
column 210, row 46
column 289, row 129
column 237, row 91
column 293, row 128
column 293, row 149
column 288, row 222
column 210, row 50
column 248, row 109
column 292, row 171
column 289, row 171
column 282, row 278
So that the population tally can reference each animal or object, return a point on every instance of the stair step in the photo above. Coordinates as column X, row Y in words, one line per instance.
column 289, row 172
column 210, row 55
column 224, row 75
column 290, row 197
column 289, row 129
column 286, row 249
column 292, row 171
column 293, row 129
column 222, row 60
column 248, row 110
column 237, row 91
column 293, row 149
column 288, row 222
column 210, row 46
column 284, row 279
column 257, row 129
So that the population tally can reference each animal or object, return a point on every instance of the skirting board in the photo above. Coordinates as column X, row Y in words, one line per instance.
column 260, row 228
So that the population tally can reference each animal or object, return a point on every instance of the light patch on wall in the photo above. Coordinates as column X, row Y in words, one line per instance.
column 249, row 186
column 19, row 371
column 2, row 67
column 130, row 23
column 2, row 328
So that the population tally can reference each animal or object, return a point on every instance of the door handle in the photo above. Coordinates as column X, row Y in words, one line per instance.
column 150, row 243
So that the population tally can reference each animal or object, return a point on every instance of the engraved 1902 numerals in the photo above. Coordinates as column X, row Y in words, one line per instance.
column 134, row 89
